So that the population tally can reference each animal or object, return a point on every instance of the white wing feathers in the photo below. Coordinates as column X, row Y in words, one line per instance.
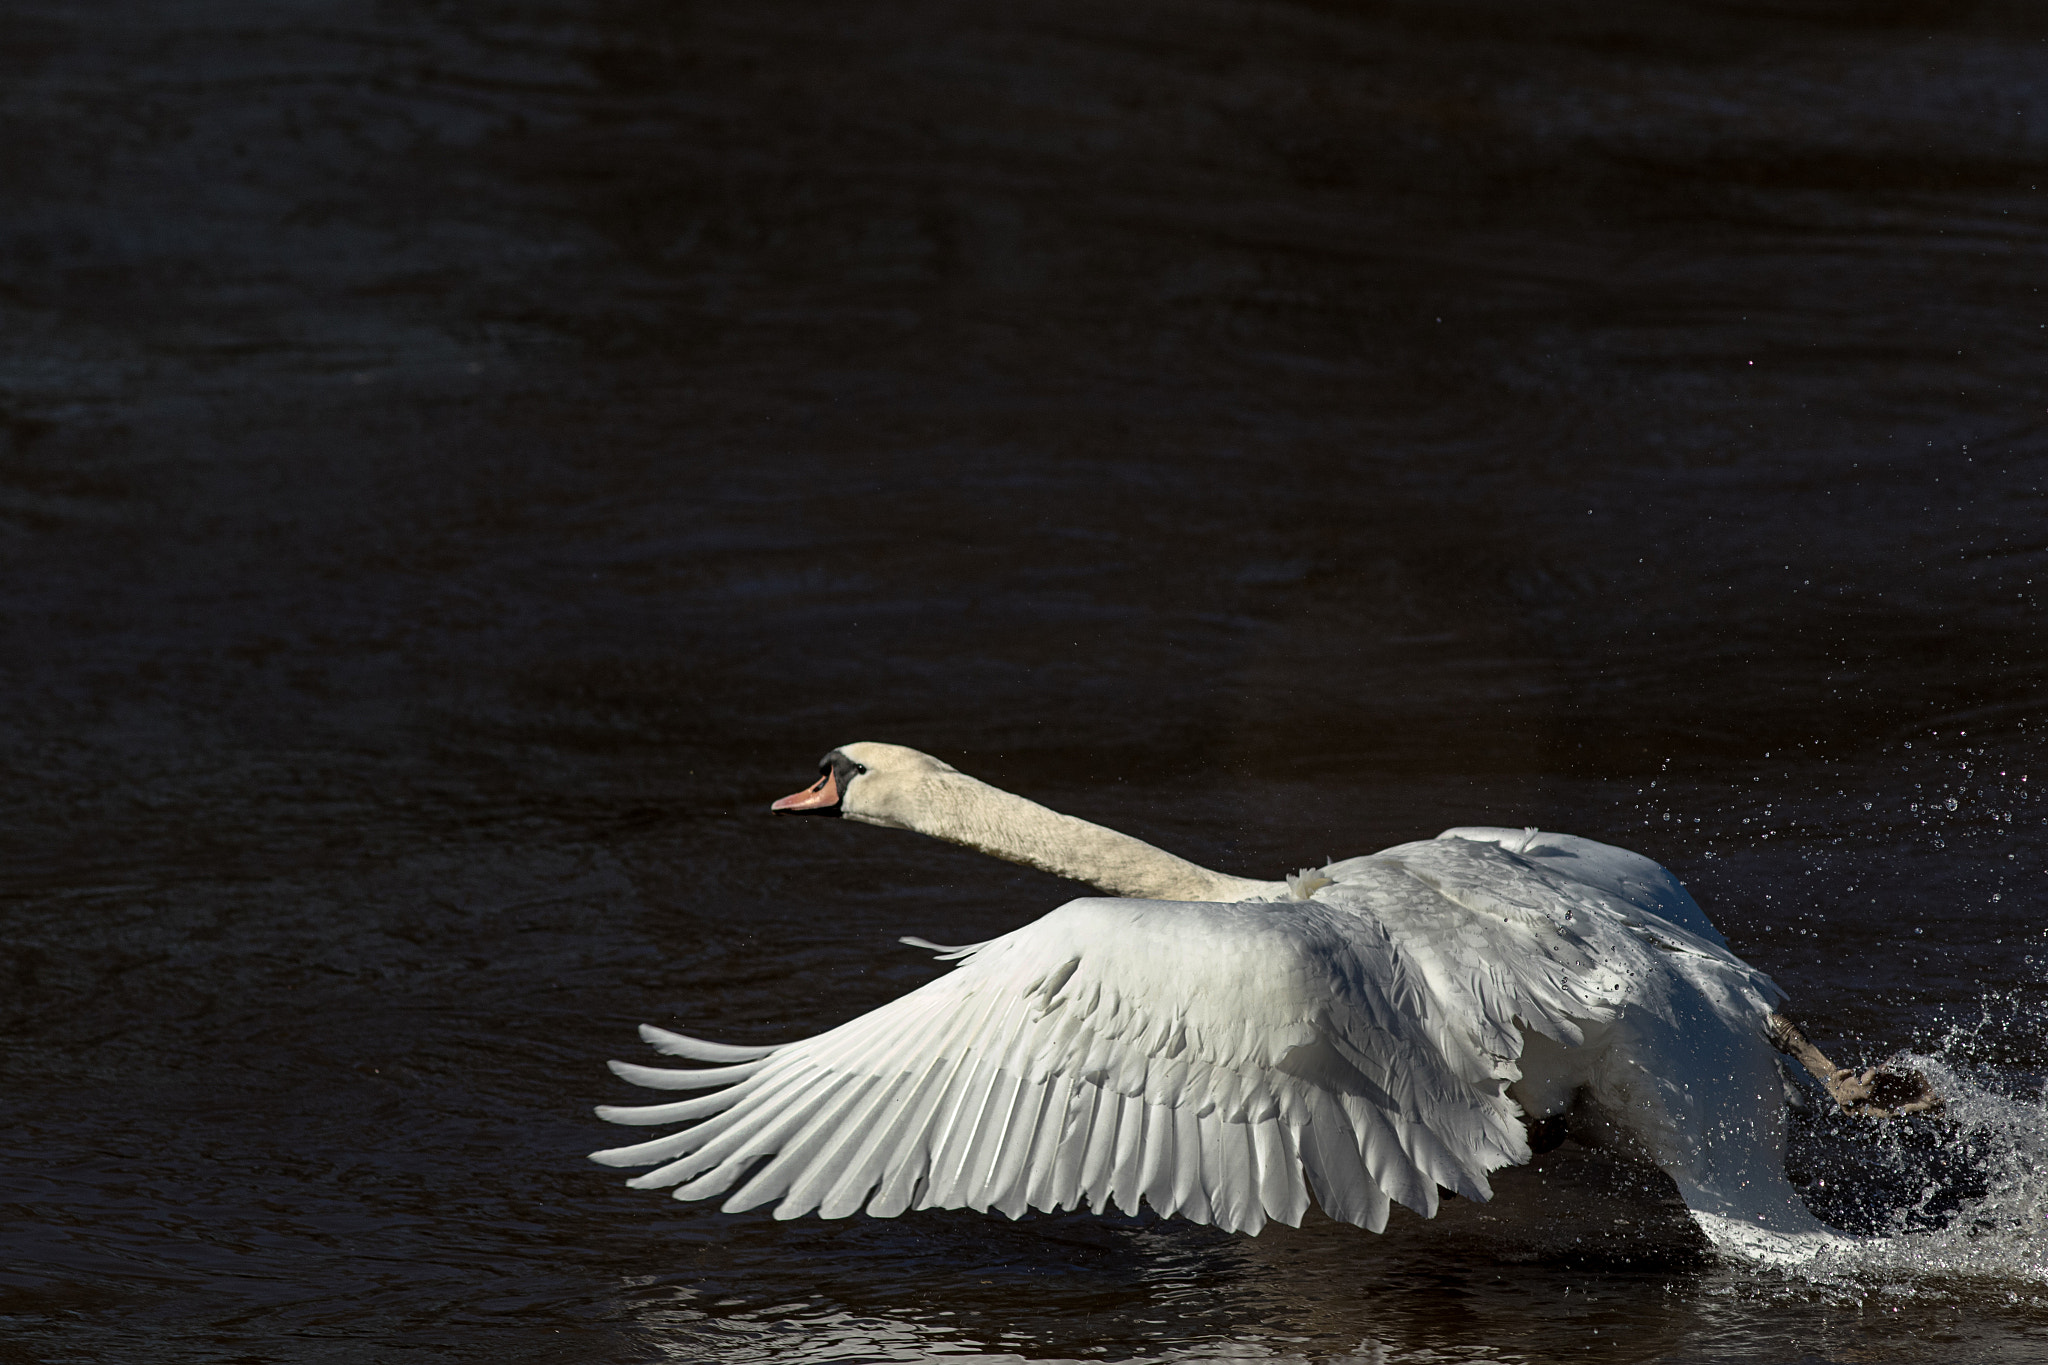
column 1216, row 1061
column 1507, row 941
column 1619, row 872
column 1630, row 920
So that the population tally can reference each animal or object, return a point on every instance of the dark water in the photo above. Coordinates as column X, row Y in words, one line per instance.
column 461, row 461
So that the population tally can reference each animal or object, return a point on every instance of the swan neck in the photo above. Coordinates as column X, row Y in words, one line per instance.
column 974, row 814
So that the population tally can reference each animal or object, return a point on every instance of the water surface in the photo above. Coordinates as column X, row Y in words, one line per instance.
column 458, row 463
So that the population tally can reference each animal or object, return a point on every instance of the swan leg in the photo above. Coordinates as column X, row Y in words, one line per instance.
column 1878, row 1093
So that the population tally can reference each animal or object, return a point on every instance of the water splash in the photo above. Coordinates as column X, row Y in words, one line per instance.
column 1956, row 1205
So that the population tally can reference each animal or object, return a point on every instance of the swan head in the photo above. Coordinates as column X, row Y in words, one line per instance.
column 876, row 784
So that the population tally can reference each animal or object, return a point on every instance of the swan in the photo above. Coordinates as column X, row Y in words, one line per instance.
column 1371, row 1032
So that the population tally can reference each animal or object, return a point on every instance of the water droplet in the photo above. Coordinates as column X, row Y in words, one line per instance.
column 1951, row 803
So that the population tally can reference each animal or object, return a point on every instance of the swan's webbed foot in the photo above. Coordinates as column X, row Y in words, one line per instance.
column 1881, row 1092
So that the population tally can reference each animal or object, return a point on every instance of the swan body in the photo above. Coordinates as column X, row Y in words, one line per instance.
column 1223, row 1049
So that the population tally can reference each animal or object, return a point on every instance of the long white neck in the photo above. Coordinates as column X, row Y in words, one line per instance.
column 961, row 810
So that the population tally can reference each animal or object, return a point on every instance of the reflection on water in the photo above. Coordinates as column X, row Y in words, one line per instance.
column 458, row 462
column 1575, row 1258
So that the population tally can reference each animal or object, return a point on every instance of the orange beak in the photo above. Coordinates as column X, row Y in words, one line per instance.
column 820, row 795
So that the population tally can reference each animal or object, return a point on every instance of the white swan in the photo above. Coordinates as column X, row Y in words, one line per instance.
column 1220, row 1048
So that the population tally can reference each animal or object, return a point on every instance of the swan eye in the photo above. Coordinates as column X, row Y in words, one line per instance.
column 845, row 768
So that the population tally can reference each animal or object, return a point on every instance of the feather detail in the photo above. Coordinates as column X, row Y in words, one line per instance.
column 679, row 1045
column 1358, row 1045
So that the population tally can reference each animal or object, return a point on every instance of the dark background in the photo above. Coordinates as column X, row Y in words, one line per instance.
column 459, row 462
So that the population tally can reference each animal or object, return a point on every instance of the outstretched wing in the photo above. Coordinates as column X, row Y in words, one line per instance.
column 1549, row 940
column 1626, row 875
column 1217, row 1061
